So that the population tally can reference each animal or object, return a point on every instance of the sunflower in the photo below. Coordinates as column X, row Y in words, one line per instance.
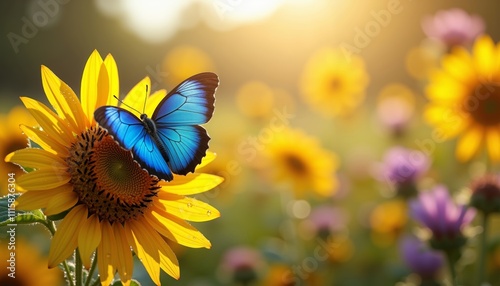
column 297, row 159
column 185, row 60
column 112, row 204
column 333, row 84
column 13, row 139
column 465, row 99
column 29, row 267
column 388, row 220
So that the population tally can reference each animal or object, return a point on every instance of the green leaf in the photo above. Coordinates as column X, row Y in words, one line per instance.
column 60, row 215
column 9, row 215
column 133, row 282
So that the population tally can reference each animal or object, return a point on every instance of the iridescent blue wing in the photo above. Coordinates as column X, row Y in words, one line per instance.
column 129, row 131
column 177, row 118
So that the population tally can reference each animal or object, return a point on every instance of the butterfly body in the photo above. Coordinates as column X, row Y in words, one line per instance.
column 172, row 140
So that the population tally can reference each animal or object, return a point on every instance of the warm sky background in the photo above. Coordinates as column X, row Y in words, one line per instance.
column 273, row 49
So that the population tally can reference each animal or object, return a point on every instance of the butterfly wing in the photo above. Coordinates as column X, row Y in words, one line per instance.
column 129, row 131
column 177, row 118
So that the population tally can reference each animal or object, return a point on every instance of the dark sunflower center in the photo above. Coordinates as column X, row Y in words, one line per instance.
column 295, row 164
column 335, row 84
column 107, row 179
column 484, row 104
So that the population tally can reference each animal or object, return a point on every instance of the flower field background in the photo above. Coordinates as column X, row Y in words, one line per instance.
column 359, row 141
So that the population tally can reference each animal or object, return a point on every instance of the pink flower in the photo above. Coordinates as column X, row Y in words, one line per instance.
column 326, row 220
column 241, row 258
column 453, row 27
column 437, row 211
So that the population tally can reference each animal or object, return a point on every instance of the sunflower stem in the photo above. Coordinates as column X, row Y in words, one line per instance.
column 91, row 271
column 78, row 268
column 482, row 250
column 51, row 226
column 289, row 229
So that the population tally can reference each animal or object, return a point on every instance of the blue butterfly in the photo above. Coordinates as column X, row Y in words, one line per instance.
column 172, row 139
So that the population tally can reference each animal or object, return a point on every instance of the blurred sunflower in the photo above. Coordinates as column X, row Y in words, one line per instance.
column 388, row 221
column 465, row 99
column 297, row 159
column 112, row 203
column 333, row 84
column 30, row 267
column 13, row 139
column 284, row 275
column 255, row 99
column 184, row 61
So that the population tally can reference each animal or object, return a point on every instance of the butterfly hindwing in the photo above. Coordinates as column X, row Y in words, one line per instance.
column 129, row 131
column 185, row 145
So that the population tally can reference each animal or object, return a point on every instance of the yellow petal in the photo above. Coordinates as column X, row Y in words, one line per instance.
column 89, row 87
column 64, row 200
column 448, row 122
column 493, row 143
column 114, row 80
column 106, row 253
column 484, row 56
column 154, row 244
column 102, row 87
column 33, row 200
column 48, row 121
column 191, row 184
column 65, row 240
column 47, row 143
column 154, row 100
column 135, row 100
column 187, row 208
column 125, row 264
column 469, row 143
column 460, row 65
column 150, row 259
column 444, row 89
column 35, row 158
column 64, row 100
column 89, row 238
column 44, row 179
column 176, row 229
column 209, row 157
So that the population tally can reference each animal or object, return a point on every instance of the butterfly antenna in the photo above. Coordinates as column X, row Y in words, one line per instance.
column 121, row 101
column 145, row 100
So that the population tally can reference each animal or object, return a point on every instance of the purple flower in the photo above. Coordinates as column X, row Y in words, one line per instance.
column 437, row 211
column 453, row 27
column 403, row 166
column 420, row 258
